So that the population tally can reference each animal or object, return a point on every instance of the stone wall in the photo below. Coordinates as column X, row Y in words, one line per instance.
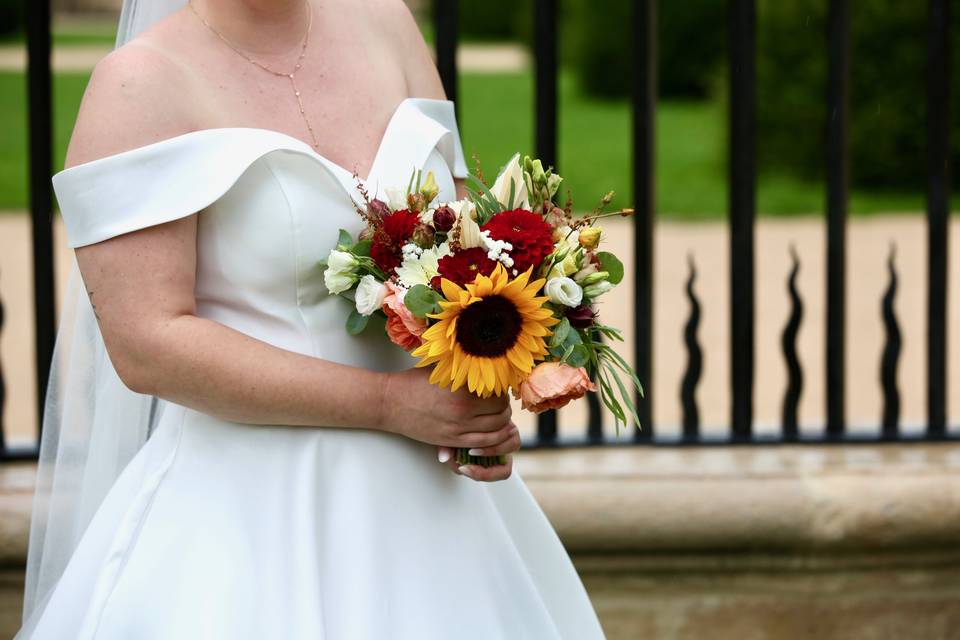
column 720, row 543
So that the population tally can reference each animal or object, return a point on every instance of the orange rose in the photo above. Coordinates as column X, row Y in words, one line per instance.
column 403, row 327
column 551, row 385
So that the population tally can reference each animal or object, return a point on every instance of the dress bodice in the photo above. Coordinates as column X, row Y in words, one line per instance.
column 271, row 209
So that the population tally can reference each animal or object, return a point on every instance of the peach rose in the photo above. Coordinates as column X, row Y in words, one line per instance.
column 551, row 385
column 403, row 327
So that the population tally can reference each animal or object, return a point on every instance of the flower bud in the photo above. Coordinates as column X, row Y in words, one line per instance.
column 416, row 202
column 597, row 288
column 589, row 237
column 429, row 188
column 597, row 276
column 443, row 218
column 423, row 236
column 556, row 217
column 378, row 209
column 581, row 317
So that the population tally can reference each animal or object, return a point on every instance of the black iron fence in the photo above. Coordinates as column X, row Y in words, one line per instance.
column 742, row 180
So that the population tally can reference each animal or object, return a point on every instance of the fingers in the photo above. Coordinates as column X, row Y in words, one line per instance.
column 509, row 445
column 491, row 422
column 488, row 474
column 481, row 439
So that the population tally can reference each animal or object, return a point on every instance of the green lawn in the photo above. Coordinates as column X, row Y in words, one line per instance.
column 496, row 119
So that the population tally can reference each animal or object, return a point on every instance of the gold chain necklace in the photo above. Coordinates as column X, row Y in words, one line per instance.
column 289, row 75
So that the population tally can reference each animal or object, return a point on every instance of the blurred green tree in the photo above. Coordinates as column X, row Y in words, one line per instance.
column 887, row 90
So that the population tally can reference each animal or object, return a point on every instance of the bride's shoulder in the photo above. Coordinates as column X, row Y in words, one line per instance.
column 135, row 96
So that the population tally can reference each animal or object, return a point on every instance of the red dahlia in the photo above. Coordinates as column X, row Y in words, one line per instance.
column 463, row 266
column 530, row 235
column 398, row 228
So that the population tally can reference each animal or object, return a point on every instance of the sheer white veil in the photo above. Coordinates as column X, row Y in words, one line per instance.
column 92, row 424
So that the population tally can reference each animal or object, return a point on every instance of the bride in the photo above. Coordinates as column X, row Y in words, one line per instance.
column 219, row 458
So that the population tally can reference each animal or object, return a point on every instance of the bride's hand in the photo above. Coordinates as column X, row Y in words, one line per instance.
column 425, row 412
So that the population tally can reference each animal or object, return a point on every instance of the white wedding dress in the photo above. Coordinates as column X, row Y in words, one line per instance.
column 222, row 530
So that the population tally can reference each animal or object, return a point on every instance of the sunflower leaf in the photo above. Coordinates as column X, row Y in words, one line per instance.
column 612, row 265
column 356, row 322
column 421, row 300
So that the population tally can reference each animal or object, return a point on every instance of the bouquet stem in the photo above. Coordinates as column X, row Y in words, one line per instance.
column 463, row 457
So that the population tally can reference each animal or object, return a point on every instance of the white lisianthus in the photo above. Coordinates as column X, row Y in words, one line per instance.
column 426, row 216
column 341, row 272
column 370, row 295
column 396, row 198
column 421, row 269
column 564, row 291
column 501, row 187
column 597, row 288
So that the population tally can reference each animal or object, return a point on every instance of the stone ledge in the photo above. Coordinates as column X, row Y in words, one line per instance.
column 761, row 498
column 641, row 500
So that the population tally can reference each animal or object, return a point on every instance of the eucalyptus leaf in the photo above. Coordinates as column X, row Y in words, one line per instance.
column 560, row 332
column 612, row 265
column 421, row 300
column 345, row 240
column 579, row 356
column 362, row 248
column 356, row 322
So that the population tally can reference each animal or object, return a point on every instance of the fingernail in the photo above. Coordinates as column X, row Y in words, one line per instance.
column 443, row 455
column 475, row 452
column 465, row 471
column 514, row 430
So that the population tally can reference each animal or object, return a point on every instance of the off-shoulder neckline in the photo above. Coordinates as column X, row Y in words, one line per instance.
column 285, row 136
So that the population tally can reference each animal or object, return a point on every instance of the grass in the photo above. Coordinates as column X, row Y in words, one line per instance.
column 496, row 119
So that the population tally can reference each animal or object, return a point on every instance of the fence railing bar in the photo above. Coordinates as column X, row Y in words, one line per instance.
column 742, row 195
column 691, row 377
column 40, row 127
column 3, row 394
column 938, row 206
column 788, row 342
column 545, row 118
column 446, row 21
column 890, row 424
column 838, row 44
column 644, row 131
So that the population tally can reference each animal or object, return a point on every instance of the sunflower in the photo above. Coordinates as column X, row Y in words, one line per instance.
column 488, row 334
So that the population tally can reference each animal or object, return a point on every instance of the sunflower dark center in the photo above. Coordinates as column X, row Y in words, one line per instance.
column 489, row 328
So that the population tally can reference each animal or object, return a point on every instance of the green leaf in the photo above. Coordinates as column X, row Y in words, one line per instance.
column 345, row 240
column 356, row 322
column 410, row 184
column 362, row 248
column 513, row 187
column 612, row 265
column 560, row 332
column 421, row 300
column 579, row 356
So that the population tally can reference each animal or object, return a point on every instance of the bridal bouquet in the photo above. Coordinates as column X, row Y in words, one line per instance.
column 495, row 291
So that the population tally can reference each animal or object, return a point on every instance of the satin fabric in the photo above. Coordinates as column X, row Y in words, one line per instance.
column 219, row 529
